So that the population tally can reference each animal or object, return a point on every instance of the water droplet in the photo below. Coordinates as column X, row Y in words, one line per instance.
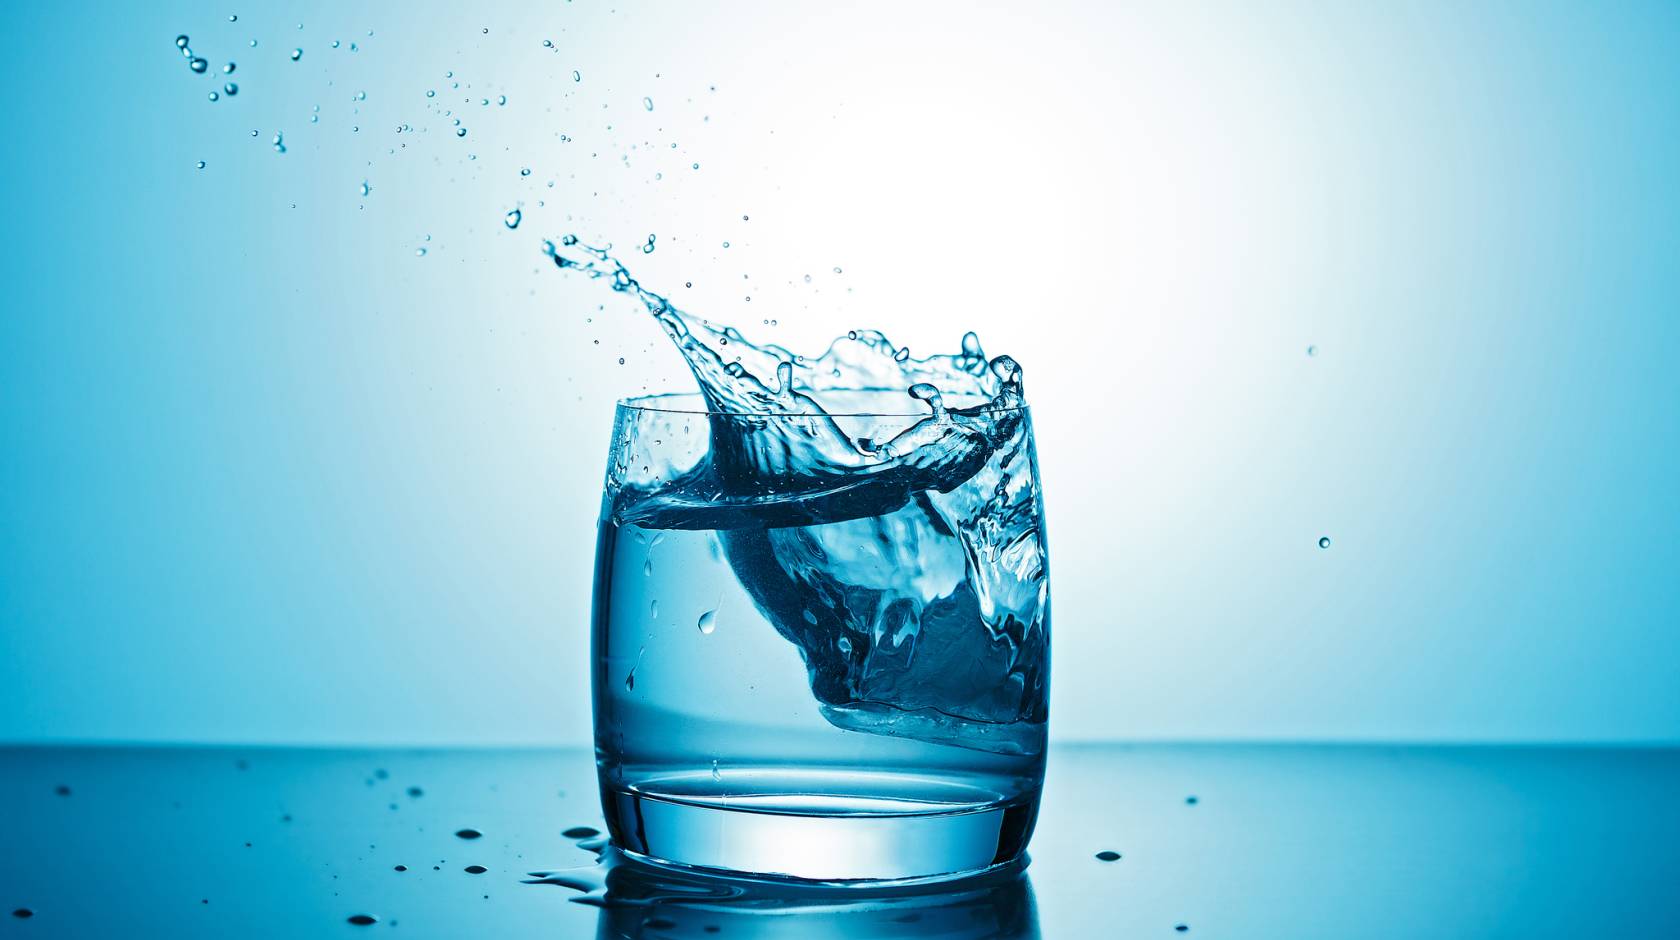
column 335, row 44
column 512, row 218
column 1108, row 856
column 359, row 96
column 297, row 54
column 577, row 76
column 726, row 244
column 366, row 189
column 716, row 774
column 1312, row 350
column 653, row 609
column 24, row 913
column 362, row 920
column 697, row 166
column 279, row 142
column 201, row 164
column 1324, row 541
column 581, row 832
column 630, row 681
column 647, row 103
column 468, row 833
column 181, row 41
column 902, row 354
column 1191, row 801
column 254, row 44
column 431, row 93
column 416, row 792
column 233, row 18
column 400, row 868
column 568, row 239
column 708, row 622
column 548, row 43
column 647, row 249
column 460, row 132
column 501, row 100
column 215, row 96
column 420, row 252
column 845, row 645
column 649, row 564
column 198, row 65
column 231, row 89
column 475, row 869
column 228, row 68
column 1181, row 927
column 851, row 334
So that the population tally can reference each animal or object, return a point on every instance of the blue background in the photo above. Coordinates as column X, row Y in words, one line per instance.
column 269, row 475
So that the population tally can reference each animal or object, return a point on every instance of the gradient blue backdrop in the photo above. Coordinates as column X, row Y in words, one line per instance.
column 268, row 474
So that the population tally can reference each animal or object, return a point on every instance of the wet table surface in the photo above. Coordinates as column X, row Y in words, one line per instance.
column 1221, row 841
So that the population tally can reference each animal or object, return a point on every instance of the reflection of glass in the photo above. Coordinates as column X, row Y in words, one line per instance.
column 642, row 901
column 841, row 682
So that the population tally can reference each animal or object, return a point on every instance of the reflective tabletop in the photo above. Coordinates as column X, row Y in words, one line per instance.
column 1134, row 841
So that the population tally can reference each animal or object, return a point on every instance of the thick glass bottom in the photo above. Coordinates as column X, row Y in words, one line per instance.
column 818, row 826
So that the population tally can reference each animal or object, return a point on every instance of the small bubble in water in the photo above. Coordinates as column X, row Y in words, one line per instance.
column 400, row 868
column 716, row 774
column 902, row 354
column 366, row 189
column 362, row 920
column 707, row 622
column 297, row 54
column 577, row 76
column 181, row 41
column 845, row 645
column 468, row 833
column 1324, row 541
column 568, row 239
column 581, row 832
column 851, row 334
column 512, row 218
column 647, row 103
column 231, row 89
column 198, row 65
column 1108, row 856
column 1181, row 927
column 726, row 244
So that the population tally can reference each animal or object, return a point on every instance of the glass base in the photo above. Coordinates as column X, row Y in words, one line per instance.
column 820, row 827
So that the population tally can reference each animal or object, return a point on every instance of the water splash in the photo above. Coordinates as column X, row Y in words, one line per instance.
column 926, row 538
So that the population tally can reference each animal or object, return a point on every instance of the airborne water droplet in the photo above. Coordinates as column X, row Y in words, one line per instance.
column 1108, row 856
column 297, row 54
column 577, row 76
column 460, row 132
column 1324, row 541
column 231, row 89
column 653, row 609
column 708, row 622
column 228, row 68
column 647, row 103
column 201, row 164
column 366, row 188
column 181, row 41
column 513, row 218
column 1312, row 350
column 198, row 65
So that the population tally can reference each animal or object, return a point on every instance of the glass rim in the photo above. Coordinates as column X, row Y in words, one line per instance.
column 656, row 404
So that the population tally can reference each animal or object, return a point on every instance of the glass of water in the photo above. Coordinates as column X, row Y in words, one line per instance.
column 839, row 681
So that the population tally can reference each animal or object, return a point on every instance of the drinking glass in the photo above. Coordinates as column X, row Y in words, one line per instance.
column 844, row 687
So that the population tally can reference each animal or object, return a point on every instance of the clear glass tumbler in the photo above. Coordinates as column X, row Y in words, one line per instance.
column 844, row 685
